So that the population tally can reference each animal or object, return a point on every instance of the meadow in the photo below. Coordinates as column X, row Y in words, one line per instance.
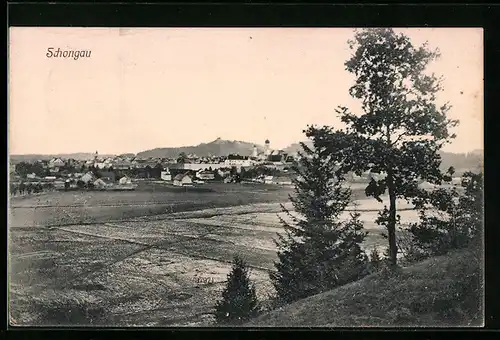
column 59, row 208
column 145, row 258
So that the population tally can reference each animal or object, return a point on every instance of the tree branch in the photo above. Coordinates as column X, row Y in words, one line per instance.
column 398, row 139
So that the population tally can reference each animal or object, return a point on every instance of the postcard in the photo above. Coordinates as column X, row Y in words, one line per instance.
column 248, row 177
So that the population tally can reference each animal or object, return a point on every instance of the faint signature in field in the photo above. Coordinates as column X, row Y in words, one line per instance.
column 205, row 280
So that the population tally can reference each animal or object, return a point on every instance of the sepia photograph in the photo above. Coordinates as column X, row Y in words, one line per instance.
column 245, row 177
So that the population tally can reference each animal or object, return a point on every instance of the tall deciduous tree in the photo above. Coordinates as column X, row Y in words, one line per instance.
column 401, row 128
column 319, row 250
column 181, row 159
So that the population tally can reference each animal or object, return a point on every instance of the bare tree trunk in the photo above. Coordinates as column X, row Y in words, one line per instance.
column 391, row 225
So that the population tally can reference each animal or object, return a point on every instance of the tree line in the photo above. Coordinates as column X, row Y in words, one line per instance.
column 29, row 188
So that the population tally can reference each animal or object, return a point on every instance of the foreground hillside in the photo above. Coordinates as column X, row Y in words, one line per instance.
column 439, row 292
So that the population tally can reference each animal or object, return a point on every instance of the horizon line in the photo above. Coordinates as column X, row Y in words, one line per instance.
column 172, row 147
column 150, row 149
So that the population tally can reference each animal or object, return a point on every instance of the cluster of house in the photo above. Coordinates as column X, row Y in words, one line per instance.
column 201, row 176
column 117, row 162
column 272, row 158
column 188, row 178
column 106, row 180
column 278, row 160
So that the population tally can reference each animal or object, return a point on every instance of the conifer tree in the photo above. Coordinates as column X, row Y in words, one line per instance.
column 319, row 250
column 239, row 300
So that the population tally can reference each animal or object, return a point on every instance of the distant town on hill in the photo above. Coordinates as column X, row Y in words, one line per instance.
column 218, row 147
column 221, row 147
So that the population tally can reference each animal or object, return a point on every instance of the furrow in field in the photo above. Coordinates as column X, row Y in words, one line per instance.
column 219, row 223
column 114, row 238
column 89, row 206
column 195, row 242
column 146, row 233
column 35, row 254
column 195, row 246
column 234, row 232
column 106, row 266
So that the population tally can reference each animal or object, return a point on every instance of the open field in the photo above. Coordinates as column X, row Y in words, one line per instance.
column 56, row 208
column 154, row 258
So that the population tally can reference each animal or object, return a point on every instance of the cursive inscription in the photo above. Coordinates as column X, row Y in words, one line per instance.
column 52, row 52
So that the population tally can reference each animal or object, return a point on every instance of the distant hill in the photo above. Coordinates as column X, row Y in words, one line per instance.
column 296, row 147
column 460, row 161
column 131, row 155
column 218, row 147
column 77, row 156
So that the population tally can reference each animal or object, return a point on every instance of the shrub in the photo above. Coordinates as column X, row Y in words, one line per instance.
column 13, row 189
column 459, row 222
column 409, row 250
column 375, row 260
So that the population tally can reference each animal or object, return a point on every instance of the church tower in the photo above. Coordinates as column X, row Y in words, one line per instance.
column 267, row 152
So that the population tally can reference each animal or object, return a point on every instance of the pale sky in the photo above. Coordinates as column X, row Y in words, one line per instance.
column 144, row 88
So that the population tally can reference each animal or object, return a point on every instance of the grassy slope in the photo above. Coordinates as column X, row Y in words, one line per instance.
column 441, row 291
